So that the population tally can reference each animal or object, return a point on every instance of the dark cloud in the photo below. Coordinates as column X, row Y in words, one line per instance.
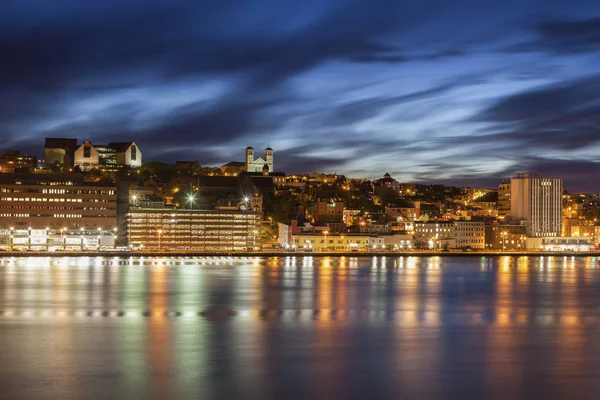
column 564, row 117
column 578, row 176
column 568, row 36
column 355, row 111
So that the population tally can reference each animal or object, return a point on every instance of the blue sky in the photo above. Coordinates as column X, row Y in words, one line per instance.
column 463, row 92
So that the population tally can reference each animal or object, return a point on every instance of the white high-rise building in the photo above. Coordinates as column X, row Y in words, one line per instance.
column 538, row 203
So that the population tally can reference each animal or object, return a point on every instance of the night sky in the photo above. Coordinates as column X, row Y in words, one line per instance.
column 458, row 92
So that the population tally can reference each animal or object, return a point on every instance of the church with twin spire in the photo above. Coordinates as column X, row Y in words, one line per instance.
column 259, row 164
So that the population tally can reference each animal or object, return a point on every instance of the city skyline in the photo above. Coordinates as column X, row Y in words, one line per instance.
column 462, row 96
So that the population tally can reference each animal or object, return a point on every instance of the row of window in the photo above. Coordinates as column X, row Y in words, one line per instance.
column 184, row 217
column 21, row 215
column 207, row 231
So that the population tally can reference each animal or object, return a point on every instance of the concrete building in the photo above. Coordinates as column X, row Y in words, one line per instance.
column 397, row 242
column 56, row 212
column 403, row 210
column 469, row 234
column 58, row 152
column 15, row 161
column 538, row 202
column 127, row 154
column 504, row 200
column 233, row 168
column 325, row 242
column 193, row 229
column 387, row 182
column 559, row 244
column 107, row 158
column 66, row 154
column 434, row 235
column 591, row 231
column 328, row 211
column 86, row 157
column 376, row 228
column 257, row 164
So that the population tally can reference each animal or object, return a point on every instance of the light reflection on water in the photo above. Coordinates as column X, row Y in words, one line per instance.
column 300, row 327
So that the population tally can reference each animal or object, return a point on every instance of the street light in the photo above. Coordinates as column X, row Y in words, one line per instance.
column 62, row 238
column 191, row 199
column 99, row 237
column 159, row 231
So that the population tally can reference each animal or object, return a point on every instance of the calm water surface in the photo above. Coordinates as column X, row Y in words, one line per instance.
column 300, row 327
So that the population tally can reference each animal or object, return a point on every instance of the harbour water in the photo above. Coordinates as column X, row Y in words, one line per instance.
column 300, row 327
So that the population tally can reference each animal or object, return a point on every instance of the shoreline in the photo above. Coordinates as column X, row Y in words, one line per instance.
column 413, row 253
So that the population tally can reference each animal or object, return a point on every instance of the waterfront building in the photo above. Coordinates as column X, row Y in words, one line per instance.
column 538, row 203
column 397, row 242
column 193, row 229
column 469, row 234
column 334, row 242
column 591, row 231
column 56, row 212
column 450, row 234
column 559, row 244
column 434, row 235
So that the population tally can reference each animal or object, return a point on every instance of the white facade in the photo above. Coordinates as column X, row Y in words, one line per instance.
column 559, row 244
column 285, row 235
column 257, row 164
column 131, row 157
column 539, row 202
column 434, row 235
column 397, row 242
column 322, row 242
column 86, row 156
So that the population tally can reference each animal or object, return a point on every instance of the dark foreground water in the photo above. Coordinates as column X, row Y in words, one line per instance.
column 300, row 327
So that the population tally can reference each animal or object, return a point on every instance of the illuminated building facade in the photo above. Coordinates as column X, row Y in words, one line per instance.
column 193, row 230
column 111, row 157
column 570, row 244
column 257, row 164
column 324, row 242
column 66, row 154
column 503, row 200
column 433, row 234
column 469, row 234
column 56, row 212
column 538, row 202
column 13, row 161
